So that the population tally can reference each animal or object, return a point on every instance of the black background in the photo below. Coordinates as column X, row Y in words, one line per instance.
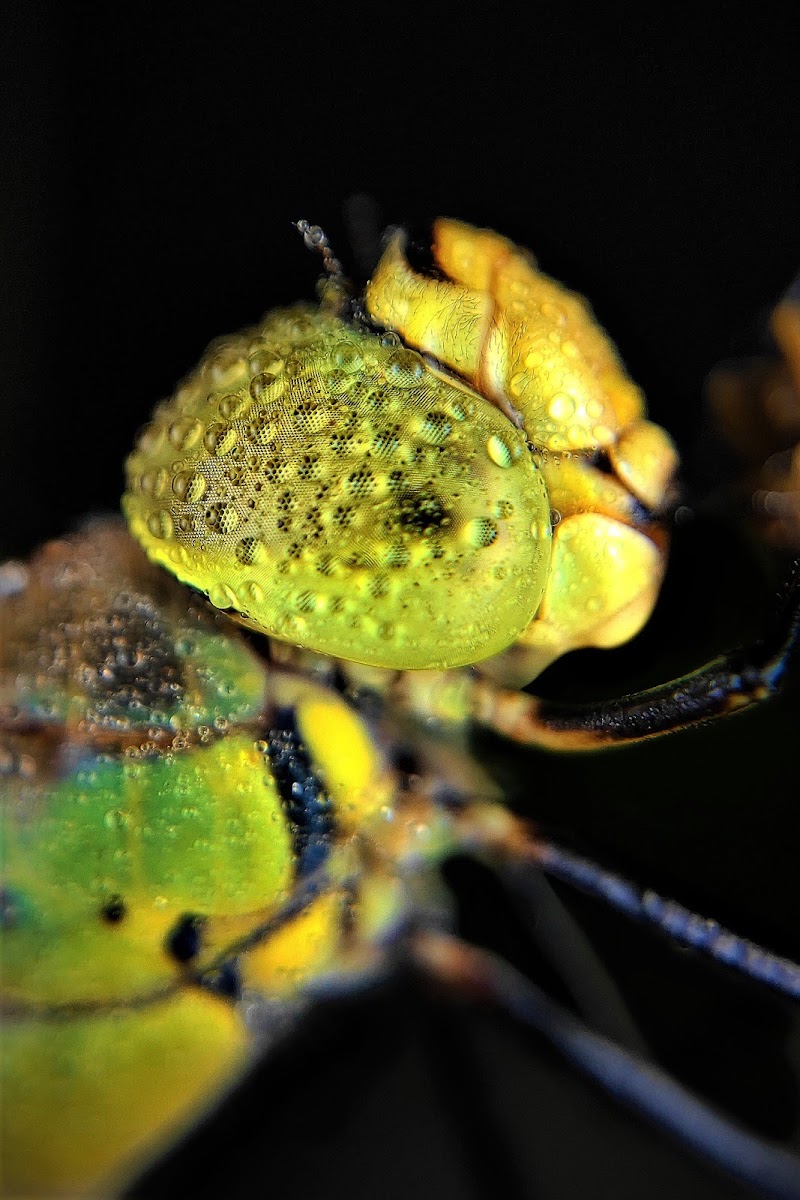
column 156, row 157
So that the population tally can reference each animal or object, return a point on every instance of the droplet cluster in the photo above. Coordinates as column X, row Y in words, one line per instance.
column 330, row 488
column 99, row 639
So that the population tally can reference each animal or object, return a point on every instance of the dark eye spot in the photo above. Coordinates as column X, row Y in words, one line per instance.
column 113, row 910
column 184, row 940
column 419, row 251
column 408, row 766
column 225, row 981
column 601, row 462
column 9, row 908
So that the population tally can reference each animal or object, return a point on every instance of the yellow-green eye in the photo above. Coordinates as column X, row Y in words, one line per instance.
column 331, row 489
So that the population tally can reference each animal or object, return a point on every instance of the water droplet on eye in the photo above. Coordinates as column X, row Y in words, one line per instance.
column 230, row 406
column 347, row 358
column 594, row 409
column 261, row 431
column 115, row 818
column 252, row 592
column 160, row 525
column 221, row 518
column 436, row 428
column 561, row 407
column 404, row 368
column 150, row 440
column 260, row 383
column 482, row 532
column 222, row 596
column 263, row 360
column 154, row 483
column 498, row 451
column 188, row 486
column 602, row 434
column 185, row 433
column 220, row 438
column 305, row 602
column 250, row 550
column 570, row 349
column 223, row 367
column 294, row 366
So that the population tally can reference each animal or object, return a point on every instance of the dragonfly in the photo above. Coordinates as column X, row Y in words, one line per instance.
column 394, row 511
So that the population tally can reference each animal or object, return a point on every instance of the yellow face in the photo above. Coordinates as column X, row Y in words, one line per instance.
column 335, row 489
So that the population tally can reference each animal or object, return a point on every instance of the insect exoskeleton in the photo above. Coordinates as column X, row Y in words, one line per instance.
column 166, row 803
column 464, row 476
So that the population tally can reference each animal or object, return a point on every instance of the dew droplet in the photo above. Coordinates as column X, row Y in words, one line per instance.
column 221, row 518
column 260, row 383
column 436, row 428
column 404, row 368
column 498, row 451
column 222, row 596
column 160, row 525
column 220, row 438
column 249, row 550
column 230, row 406
column 185, row 433
column 223, row 368
column 347, row 358
column 561, row 407
column 252, row 592
column 188, row 486
column 115, row 818
column 482, row 532
column 267, row 361
column 154, row 483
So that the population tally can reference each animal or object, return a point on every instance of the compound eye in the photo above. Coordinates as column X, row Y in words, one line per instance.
column 339, row 494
